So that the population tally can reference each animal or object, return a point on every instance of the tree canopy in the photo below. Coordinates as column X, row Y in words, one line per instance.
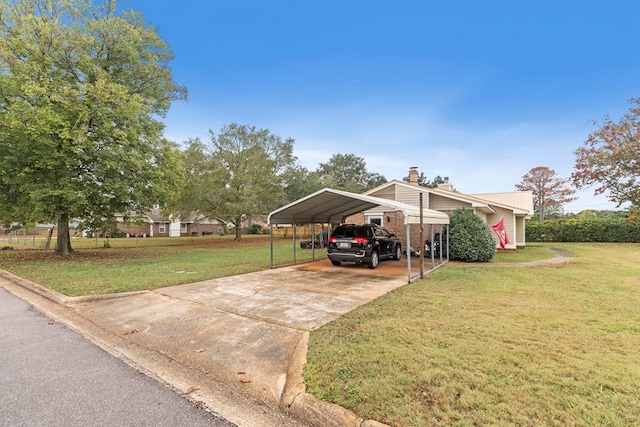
column 610, row 158
column 300, row 182
column 240, row 173
column 549, row 191
column 82, row 88
column 424, row 182
column 348, row 172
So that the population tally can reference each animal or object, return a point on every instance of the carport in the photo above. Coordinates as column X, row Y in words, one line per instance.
column 329, row 206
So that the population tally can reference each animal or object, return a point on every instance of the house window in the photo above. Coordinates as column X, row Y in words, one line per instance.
column 162, row 228
column 183, row 228
column 375, row 219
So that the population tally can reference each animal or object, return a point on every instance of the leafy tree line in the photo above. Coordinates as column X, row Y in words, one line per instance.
column 243, row 171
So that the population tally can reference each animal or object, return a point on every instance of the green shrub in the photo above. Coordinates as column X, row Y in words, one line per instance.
column 254, row 229
column 615, row 230
column 470, row 239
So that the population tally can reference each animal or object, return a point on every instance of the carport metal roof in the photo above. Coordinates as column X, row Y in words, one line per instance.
column 331, row 206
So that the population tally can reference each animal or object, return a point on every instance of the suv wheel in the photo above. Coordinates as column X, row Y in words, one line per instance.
column 398, row 253
column 374, row 260
column 336, row 262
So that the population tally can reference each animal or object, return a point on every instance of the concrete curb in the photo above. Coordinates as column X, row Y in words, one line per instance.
column 58, row 297
column 35, row 288
column 294, row 384
column 306, row 406
column 90, row 298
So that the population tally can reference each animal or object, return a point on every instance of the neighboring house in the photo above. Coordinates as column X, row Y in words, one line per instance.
column 154, row 224
column 515, row 207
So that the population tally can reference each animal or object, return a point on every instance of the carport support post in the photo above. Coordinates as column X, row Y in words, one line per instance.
column 421, row 247
column 313, row 242
column 440, row 244
column 271, row 243
column 294, row 243
column 433, row 255
column 408, row 252
column 447, row 242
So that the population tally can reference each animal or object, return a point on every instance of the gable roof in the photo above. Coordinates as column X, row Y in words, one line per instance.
column 332, row 206
column 522, row 200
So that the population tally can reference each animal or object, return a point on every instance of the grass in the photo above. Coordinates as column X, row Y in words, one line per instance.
column 533, row 252
column 148, row 263
column 483, row 344
column 553, row 345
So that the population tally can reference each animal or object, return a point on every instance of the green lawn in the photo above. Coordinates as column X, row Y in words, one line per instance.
column 470, row 345
column 139, row 264
column 533, row 252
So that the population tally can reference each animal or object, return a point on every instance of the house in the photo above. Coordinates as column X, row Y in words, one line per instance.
column 155, row 224
column 514, row 207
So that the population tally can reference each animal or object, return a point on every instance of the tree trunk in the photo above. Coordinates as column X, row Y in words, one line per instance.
column 238, row 225
column 63, row 243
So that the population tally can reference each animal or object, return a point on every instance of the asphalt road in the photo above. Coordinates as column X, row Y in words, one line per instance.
column 50, row 375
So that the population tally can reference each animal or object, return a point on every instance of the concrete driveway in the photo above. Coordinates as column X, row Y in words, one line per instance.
column 249, row 331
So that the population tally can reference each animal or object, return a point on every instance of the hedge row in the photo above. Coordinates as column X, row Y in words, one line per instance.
column 583, row 230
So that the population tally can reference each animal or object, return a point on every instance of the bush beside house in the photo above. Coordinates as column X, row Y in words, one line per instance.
column 470, row 239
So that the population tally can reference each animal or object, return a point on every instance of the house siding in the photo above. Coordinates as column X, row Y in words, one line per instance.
column 441, row 203
column 156, row 229
column 520, row 232
column 409, row 195
column 386, row 193
column 514, row 207
column 509, row 225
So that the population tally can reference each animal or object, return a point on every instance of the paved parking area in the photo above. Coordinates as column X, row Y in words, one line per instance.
column 248, row 331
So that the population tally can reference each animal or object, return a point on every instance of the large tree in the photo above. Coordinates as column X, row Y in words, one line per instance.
column 348, row 172
column 300, row 182
column 82, row 88
column 610, row 158
column 549, row 190
column 241, row 173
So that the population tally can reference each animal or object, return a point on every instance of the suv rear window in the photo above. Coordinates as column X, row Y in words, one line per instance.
column 351, row 231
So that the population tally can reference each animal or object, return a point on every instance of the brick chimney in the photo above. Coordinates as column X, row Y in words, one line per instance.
column 413, row 175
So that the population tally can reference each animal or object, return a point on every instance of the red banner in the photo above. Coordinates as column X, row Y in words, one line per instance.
column 501, row 232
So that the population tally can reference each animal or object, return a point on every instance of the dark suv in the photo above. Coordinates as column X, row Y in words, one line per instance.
column 366, row 244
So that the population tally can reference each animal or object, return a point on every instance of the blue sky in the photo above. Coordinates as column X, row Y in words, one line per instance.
column 480, row 92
